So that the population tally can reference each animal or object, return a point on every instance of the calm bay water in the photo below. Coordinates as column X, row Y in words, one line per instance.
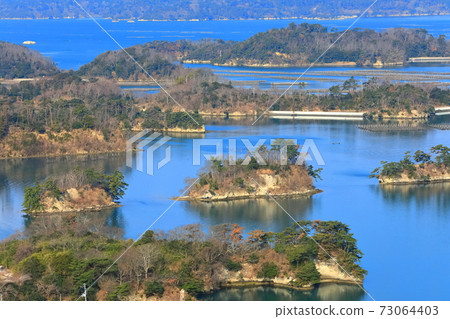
column 72, row 43
column 326, row 292
column 323, row 77
column 403, row 230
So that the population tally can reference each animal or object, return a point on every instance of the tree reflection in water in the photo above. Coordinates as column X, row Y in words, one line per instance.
column 324, row 292
column 262, row 213
column 415, row 195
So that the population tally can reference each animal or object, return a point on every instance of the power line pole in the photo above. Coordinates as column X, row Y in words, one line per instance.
column 84, row 294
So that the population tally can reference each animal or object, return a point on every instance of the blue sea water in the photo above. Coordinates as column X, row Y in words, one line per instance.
column 403, row 231
column 72, row 43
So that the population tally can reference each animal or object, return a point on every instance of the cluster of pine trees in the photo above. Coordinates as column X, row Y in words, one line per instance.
column 57, row 256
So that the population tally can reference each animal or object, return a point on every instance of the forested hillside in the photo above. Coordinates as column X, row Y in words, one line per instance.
column 295, row 45
column 216, row 9
column 17, row 61
column 304, row 43
column 72, row 113
column 56, row 256
column 66, row 114
column 117, row 64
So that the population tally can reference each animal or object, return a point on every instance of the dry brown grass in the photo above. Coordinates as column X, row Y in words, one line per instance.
column 20, row 143
column 291, row 180
column 86, row 198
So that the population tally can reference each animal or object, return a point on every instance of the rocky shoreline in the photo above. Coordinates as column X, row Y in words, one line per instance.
column 225, row 183
column 75, row 200
column 79, row 142
column 260, row 194
column 329, row 271
column 412, row 181
column 271, row 283
column 426, row 174
column 377, row 64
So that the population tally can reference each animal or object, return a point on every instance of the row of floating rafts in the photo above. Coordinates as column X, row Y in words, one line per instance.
column 401, row 127
column 391, row 127
column 443, row 127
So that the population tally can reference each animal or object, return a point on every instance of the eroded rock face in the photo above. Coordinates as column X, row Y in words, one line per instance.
column 295, row 182
column 77, row 200
column 428, row 173
column 331, row 272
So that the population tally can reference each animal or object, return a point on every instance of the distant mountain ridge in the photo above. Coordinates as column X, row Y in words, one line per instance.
column 217, row 9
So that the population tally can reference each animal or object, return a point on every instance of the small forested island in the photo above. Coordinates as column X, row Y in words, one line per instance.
column 53, row 263
column 295, row 45
column 417, row 168
column 247, row 178
column 302, row 44
column 78, row 191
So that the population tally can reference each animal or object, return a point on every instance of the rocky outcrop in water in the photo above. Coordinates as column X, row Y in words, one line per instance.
column 77, row 200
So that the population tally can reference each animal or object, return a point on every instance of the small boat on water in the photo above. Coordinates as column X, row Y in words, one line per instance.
column 28, row 42
column 131, row 21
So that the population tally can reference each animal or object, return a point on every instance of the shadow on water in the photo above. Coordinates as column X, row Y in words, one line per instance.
column 36, row 169
column 262, row 212
column 109, row 222
column 324, row 292
column 443, row 119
